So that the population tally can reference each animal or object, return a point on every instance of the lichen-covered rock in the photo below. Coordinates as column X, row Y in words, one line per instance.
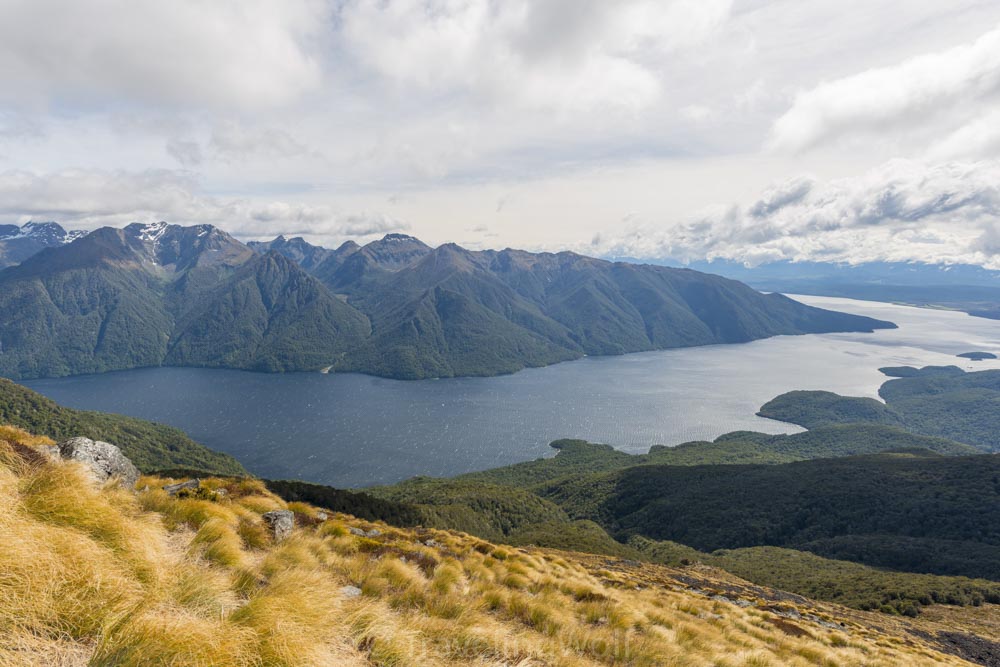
column 281, row 523
column 104, row 460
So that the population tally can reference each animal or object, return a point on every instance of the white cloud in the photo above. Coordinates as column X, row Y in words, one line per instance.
column 562, row 54
column 232, row 140
column 86, row 199
column 224, row 53
column 901, row 211
column 891, row 98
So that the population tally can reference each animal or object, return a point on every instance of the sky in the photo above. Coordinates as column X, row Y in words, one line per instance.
column 750, row 130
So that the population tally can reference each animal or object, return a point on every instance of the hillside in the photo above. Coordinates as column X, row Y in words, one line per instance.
column 449, row 311
column 936, row 401
column 741, row 447
column 150, row 446
column 919, row 511
column 715, row 495
column 109, row 576
column 159, row 294
column 148, row 295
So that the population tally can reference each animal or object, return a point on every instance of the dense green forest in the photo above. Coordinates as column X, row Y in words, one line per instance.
column 150, row 446
column 739, row 447
column 936, row 401
column 948, row 505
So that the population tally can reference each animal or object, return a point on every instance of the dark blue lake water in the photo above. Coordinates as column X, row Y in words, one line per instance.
column 354, row 430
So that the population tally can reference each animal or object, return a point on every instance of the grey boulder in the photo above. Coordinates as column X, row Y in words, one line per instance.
column 104, row 460
column 281, row 523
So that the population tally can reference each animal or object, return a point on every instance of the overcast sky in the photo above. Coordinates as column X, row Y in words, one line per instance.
column 756, row 130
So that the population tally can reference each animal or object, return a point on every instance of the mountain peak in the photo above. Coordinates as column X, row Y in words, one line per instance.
column 19, row 243
column 151, row 232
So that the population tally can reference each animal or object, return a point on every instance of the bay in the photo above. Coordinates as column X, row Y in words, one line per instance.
column 353, row 430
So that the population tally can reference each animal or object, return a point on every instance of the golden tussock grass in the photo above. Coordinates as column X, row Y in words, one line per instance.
column 104, row 576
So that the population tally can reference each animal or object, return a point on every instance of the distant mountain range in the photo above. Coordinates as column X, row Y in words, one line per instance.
column 161, row 294
column 19, row 243
column 965, row 287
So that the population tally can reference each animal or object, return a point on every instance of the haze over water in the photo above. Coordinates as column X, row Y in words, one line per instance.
column 355, row 430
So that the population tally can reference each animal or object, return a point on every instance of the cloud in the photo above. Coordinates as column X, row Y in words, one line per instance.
column 914, row 92
column 903, row 210
column 186, row 152
column 561, row 54
column 86, row 199
column 187, row 53
column 232, row 140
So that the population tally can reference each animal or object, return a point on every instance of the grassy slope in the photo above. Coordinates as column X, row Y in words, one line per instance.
column 840, row 581
column 150, row 446
column 579, row 465
column 105, row 576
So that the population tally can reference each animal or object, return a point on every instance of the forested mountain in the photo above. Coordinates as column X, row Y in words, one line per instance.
column 450, row 311
column 153, row 294
column 19, row 243
column 157, row 294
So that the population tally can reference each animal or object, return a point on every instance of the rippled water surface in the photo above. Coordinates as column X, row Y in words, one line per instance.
column 354, row 430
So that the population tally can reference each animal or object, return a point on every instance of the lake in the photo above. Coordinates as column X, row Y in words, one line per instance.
column 354, row 430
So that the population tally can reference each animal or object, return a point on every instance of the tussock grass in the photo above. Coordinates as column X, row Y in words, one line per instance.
column 102, row 576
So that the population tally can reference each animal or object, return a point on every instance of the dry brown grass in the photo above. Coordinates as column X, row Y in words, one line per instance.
column 103, row 576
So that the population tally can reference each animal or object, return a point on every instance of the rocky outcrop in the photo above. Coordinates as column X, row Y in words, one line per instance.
column 172, row 489
column 281, row 523
column 104, row 460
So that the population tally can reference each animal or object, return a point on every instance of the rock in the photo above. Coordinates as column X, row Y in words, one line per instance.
column 102, row 458
column 356, row 531
column 172, row 489
column 374, row 532
column 322, row 516
column 433, row 543
column 281, row 523
column 350, row 591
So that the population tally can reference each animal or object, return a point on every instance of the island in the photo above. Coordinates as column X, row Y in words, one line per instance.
column 977, row 356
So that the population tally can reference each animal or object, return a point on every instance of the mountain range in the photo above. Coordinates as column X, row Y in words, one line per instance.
column 965, row 287
column 161, row 294
column 19, row 243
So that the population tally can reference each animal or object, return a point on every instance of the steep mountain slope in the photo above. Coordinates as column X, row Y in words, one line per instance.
column 108, row 576
column 19, row 243
column 268, row 316
column 152, row 294
column 451, row 311
column 297, row 249
column 352, row 269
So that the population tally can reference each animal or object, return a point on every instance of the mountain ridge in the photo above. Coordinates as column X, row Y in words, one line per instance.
column 155, row 294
